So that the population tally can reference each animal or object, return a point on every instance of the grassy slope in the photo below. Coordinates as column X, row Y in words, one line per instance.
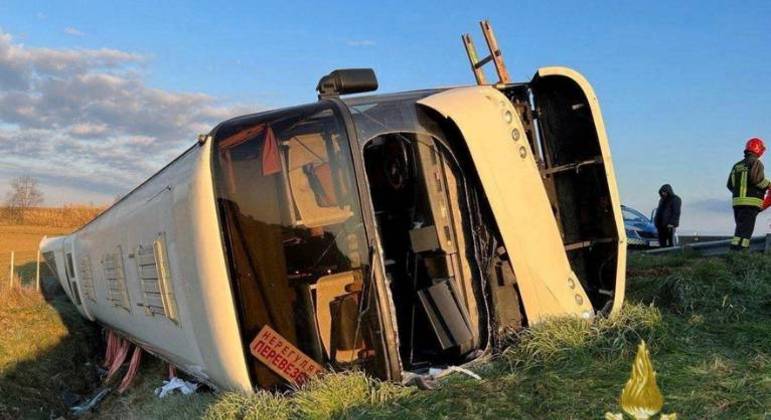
column 44, row 346
column 707, row 322
column 46, row 349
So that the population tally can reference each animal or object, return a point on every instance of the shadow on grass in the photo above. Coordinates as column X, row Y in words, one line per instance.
column 47, row 350
column 27, row 272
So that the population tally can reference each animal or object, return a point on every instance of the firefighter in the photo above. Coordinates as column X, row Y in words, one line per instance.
column 748, row 184
column 667, row 217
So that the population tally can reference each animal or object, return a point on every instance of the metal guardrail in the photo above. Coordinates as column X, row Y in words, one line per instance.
column 714, row 248
column 689, row 239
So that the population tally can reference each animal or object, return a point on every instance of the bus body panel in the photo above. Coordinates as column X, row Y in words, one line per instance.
column 487, row 120
column 176, row 204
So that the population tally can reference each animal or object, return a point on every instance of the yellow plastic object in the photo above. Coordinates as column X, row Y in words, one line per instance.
column 512, row 183
column 641, row 397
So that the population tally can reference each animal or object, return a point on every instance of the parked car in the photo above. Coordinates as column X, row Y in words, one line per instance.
column 640, row 231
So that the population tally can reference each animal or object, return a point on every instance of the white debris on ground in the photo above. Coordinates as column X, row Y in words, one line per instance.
column 429, row 380
column 436, row 373
column 465, row 372
column 90, row 404
column 185, row 387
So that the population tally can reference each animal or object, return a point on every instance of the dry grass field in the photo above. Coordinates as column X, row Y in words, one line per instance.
column 67, row 216
column 23, row 239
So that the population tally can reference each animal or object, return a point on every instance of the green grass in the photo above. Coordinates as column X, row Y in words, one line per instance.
column 707, row 323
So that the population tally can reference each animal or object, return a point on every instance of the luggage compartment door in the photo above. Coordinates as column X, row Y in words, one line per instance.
column 512, row 184
column 578, row 175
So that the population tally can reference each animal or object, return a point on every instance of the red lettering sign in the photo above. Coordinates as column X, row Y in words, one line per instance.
column 282, row 357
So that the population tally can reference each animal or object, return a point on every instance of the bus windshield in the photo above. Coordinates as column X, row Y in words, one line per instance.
column 294, row 234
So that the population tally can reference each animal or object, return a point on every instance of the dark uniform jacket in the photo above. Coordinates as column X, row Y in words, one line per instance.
column 747, row 181
column 668, row 211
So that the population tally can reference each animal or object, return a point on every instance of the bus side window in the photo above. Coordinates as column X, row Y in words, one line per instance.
column 70, row 267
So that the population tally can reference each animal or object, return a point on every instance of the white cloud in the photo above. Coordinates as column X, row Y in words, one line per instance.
column 85, row 118
column 360, row 43
column 73, row 31
column 88, row 129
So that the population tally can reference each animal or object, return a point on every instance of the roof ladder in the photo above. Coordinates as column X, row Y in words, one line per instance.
column 495, row 55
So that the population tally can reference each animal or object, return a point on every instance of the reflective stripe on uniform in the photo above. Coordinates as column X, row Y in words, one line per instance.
column 735, row 240
column 743, row 185
column 745, row 193
column 748, row 201
column 745, row 243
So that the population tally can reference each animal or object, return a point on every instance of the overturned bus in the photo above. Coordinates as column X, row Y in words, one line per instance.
column 389, row 233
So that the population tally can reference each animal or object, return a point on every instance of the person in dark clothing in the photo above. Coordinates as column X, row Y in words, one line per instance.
column 748, row 184
column 667, row 215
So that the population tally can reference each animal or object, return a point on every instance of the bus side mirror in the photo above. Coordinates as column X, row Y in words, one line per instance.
column 345, row 81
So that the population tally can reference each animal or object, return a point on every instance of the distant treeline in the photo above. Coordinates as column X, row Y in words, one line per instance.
column 70, row 215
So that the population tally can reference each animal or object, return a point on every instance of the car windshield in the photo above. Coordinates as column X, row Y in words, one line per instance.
column 631, row 215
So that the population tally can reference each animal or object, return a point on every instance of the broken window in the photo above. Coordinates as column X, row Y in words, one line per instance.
column 416, row 191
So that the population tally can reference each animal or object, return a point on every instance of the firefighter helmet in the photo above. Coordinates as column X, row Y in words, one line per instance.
column 756, row 146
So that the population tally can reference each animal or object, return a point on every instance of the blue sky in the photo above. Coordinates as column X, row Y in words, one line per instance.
column 682, row 84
